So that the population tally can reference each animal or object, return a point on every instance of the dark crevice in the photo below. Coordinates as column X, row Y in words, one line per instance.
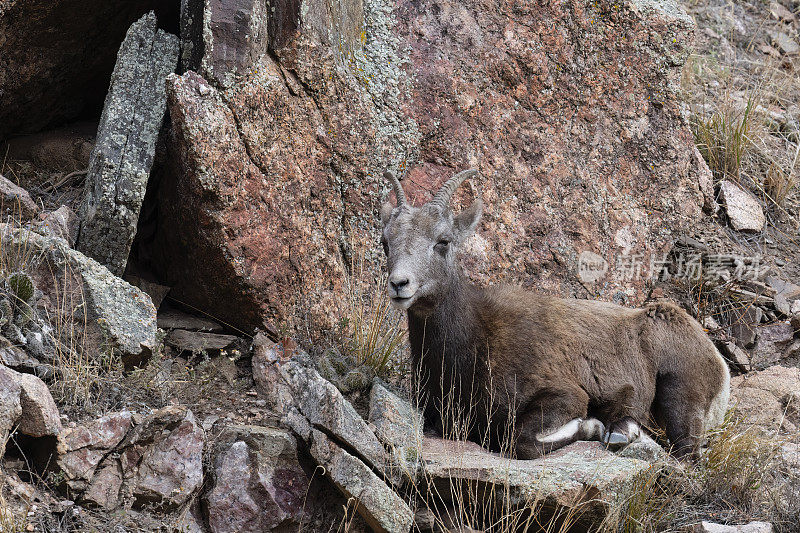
column 60, row 57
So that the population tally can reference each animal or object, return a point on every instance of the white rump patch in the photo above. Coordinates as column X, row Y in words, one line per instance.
column 567, row 431
column 719, row 403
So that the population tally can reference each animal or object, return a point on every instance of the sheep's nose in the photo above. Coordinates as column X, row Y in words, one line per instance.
column 398, row 283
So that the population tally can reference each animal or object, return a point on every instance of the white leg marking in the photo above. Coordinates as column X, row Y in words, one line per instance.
column 634, row 431
column 592, row 429
column 566, row 431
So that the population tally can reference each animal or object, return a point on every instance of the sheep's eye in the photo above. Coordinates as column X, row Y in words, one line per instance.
column 385, row 247
column 442, row 246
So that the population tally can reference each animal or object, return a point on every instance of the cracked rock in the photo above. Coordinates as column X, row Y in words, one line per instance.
column 258, row 484
column 120, row 163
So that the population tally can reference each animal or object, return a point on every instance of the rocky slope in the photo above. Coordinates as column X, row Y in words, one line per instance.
column 226, row 162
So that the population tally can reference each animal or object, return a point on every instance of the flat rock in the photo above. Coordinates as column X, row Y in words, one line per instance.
column 784, row 42
column 743, row 209
column 736, row 355
column 772, row 344
column 762, row 398
column 752, row 527
column 196, row 341
column 257, row 483
column 120, row 163
column 174, row 319
column 16, row 202
column 114, row 316
column 778, row 11
column 382, row 509
column 564, row 477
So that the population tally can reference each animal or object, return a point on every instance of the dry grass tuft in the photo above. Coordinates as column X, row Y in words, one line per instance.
column 723, row 137
column 736, row 465
column 371, row 332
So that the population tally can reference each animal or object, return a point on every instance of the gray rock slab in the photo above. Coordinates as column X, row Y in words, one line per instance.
column 172, row 319
column 743, row 209
column 380, row 506
column 564, row 477
column 122, row 157
column 306, row 399
column 113, row 315
column 196, row 341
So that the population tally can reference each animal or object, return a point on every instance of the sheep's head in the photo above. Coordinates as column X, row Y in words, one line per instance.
column 420, row 243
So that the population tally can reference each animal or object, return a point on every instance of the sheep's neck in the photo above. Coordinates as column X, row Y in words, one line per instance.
column 443, row 340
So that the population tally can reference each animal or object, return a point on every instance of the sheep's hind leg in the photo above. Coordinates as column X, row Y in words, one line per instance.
column 621, row 432
column 554, row 422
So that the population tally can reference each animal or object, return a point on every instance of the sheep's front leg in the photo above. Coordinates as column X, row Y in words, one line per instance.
column 553, row 420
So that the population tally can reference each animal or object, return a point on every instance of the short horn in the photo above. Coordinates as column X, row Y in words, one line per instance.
column 442, row 198
column 398, row 189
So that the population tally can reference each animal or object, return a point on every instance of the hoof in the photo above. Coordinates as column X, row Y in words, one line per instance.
column 621, row 433
column 616, row 441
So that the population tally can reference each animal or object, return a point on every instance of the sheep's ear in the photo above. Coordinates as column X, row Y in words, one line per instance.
column 386, row 212
column 467, row 220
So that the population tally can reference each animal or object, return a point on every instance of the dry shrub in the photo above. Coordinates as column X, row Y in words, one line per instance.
column 374, row 331
column 736, row 465
column 649, row 504
column 371, row 331
column 723, row 136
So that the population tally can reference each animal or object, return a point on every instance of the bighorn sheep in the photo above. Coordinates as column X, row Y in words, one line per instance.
column 550, row 362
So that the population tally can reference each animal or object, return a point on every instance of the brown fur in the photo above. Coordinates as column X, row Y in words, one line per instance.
column 549, row 362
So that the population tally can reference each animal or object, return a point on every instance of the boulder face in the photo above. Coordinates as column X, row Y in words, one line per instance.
column 258, row 484
column 577, row 135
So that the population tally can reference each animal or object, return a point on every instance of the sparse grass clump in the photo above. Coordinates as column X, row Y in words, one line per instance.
column 371, row 333
column 723, row 137
column 374, row 331
column 736, row 465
